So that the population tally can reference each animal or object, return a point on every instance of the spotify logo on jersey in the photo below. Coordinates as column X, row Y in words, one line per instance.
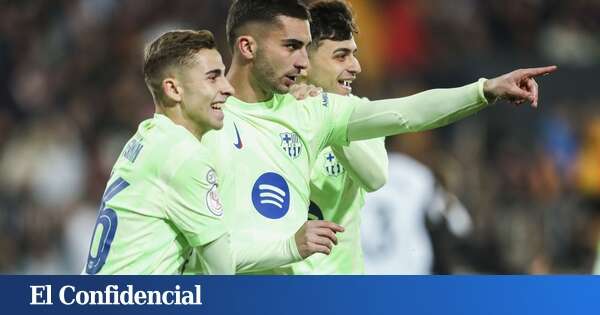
column 271, row 195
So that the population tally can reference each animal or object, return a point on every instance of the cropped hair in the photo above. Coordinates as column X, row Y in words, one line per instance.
column 243, row 12
column 174, row 48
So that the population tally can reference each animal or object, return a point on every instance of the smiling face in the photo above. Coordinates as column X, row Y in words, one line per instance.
column 333, row 65
column 205, row 90
column 281, row 54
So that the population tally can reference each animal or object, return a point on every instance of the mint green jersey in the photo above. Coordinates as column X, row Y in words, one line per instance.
column 160, row 202
column 335, row 196
column 266, row 152
column 338, row 198
column 265, row 155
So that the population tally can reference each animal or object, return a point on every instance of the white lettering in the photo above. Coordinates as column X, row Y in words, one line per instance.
column 198, row 295
column 112, row 294
column 154, row 298
column 126, row 297
column 166, row 300
column 96, row 297
column 140, row 297
column 82, row 297
column 35, row 294
column 61, row 294
column 177, row 295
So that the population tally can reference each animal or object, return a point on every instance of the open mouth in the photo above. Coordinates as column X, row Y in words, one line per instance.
column 292, row 78
column 217, row 106
column 346, row 84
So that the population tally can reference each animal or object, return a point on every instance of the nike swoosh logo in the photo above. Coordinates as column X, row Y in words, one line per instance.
column 239, row 143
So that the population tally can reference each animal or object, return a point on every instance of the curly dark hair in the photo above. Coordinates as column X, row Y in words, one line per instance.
column 331, row 20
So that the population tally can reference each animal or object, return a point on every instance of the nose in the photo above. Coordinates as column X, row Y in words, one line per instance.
column 354, row 68
column 226, row 88
column 301, row 61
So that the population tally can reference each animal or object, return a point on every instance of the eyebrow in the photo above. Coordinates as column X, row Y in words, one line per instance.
column 294, row 41
column 216, row 72
column 345, row 50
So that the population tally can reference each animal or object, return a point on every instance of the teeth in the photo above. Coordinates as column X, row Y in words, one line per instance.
column 346, row 83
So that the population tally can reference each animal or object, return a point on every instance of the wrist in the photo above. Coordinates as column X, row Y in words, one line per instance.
column 488, row 87
column 293, row 247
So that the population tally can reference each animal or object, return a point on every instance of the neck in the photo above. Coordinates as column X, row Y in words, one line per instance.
column 247, row 88
column 175, row 114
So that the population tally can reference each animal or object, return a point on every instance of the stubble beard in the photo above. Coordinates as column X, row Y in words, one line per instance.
column 265, row 75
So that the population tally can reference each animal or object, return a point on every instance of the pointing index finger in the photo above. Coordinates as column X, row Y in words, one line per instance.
column 535, row 72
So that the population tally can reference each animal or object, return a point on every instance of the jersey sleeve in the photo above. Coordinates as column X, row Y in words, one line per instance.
column 336, row 111
column 194, row 206
column 423, row 111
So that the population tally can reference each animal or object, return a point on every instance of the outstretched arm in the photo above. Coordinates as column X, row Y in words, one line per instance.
column 439, row 107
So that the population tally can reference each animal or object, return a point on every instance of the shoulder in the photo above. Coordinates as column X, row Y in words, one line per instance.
column 355, row 98
column 174, row 146
column 322, row 101
column 164, row 133
column 328, row 100
column 189, row 166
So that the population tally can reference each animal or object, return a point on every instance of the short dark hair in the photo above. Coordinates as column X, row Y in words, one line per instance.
column 331, row 20
column 174, row 48
column 243, row 12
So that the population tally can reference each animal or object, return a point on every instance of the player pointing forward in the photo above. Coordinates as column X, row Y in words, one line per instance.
column 342, row 175
column 270, row 140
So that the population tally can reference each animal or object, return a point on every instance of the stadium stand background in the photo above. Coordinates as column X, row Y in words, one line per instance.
column 72, row 93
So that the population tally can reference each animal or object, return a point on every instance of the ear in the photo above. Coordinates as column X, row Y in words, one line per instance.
column 246, row 46
column 172, row 89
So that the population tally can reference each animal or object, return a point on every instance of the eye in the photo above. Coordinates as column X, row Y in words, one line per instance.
column 340, row 57
column 292, row 46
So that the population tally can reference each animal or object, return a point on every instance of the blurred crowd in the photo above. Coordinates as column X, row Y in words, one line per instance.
column 72, row 93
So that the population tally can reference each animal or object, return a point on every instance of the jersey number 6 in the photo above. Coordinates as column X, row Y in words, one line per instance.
column 104, row 232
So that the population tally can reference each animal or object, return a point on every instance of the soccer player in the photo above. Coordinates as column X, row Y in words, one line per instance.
column 270, row 141
column 161, row 200
column 342, row 174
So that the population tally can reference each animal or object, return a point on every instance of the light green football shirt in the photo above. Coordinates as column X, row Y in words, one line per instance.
column 160, row 202
column 266, row 151
column 265, row 155
column 336, row 197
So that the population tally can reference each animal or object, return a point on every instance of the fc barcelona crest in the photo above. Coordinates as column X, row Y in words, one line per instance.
column 332, row 166
column 290, row 142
